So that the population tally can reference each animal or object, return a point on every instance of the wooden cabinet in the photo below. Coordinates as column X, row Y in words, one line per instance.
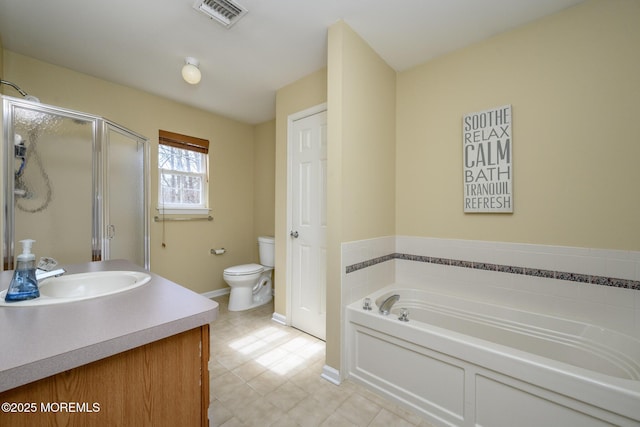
column 164, row 383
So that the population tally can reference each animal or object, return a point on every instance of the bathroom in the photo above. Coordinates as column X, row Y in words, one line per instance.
column 575, row 104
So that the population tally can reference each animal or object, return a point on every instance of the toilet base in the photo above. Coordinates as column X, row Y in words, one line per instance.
column 239, row 300
column 243, row 298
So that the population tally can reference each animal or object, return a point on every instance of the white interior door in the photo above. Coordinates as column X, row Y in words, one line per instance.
column 308, row 152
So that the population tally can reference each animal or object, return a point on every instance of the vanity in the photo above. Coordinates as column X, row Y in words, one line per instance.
column 138, row 357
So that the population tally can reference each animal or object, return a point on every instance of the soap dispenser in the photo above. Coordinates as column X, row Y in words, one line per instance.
column 24, row 284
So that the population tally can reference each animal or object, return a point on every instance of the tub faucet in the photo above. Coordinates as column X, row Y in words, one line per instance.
column 385, row 307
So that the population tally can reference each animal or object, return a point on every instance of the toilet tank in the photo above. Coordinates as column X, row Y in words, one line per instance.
column 266, row 246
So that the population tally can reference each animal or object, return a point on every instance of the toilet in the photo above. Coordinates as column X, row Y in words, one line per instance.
column 251, row 283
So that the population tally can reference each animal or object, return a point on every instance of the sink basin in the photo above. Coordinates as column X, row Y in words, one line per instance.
column 77, row 287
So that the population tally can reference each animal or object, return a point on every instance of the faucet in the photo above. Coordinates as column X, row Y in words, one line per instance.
column 385, row 307
column 46, row 267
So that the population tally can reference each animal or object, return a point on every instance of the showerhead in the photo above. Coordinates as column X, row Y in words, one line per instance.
column 32, row 98
column 20, row 91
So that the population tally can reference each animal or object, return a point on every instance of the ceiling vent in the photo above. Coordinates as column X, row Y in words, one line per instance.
column 224, row 11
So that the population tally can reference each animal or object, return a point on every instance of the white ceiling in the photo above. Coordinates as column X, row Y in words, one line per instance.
column 143, row 43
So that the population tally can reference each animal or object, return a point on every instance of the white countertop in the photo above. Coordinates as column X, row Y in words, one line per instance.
column 40, row 341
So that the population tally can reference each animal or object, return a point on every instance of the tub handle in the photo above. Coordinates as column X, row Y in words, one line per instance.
column 404, row 315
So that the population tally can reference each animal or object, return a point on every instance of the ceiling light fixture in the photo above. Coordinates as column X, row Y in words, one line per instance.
column 190, row 71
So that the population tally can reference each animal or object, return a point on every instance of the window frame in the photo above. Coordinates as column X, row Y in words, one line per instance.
column 187, row 143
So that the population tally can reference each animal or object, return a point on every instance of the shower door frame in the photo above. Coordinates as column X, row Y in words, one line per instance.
column 104, row 217
column 99, row 242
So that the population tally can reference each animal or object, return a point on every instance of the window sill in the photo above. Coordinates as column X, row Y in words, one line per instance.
column 169, row 211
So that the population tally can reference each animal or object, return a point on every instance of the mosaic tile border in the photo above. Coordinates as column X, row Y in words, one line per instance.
column 536, row 272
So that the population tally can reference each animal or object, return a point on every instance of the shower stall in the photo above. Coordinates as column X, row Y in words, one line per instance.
column 75, row 183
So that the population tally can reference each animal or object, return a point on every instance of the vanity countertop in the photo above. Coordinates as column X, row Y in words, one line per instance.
column 40, row 341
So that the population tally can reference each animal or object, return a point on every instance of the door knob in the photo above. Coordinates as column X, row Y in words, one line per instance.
column 294, row 234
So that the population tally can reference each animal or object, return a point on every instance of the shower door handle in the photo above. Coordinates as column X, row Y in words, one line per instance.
column 111, row 231
column 294, row 234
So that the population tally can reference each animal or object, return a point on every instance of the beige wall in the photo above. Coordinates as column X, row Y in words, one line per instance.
column 1, row 158
column 361, row 158
column 264, row 180
column 1, row 66
column 298, row 96
column 233, row 160
column 573, row 80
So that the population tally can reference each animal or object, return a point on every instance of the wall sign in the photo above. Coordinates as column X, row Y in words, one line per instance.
column 487, row 155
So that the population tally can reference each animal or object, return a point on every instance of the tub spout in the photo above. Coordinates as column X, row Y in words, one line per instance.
column 385, row 307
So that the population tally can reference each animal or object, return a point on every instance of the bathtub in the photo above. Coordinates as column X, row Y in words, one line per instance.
column 459, row 362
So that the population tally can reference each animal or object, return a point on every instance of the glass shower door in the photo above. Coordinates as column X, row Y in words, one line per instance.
column 125, row 213
column 75, row 183
column 52, row 187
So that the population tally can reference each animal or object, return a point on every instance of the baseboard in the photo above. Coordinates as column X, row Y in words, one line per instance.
column 279, row 318
column 216, row 293
column 330, row 374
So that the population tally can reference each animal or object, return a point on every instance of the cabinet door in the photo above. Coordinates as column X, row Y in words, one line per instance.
column 164, row 383
column 125, row 217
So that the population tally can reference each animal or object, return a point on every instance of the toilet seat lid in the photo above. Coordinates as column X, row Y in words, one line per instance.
column 244, row 269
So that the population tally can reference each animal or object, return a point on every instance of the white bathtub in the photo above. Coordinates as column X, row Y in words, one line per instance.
column 466, row 363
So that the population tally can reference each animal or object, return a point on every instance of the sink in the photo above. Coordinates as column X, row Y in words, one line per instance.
column 82, row 286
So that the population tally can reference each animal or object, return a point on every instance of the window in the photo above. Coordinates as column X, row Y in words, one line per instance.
column 182, row 173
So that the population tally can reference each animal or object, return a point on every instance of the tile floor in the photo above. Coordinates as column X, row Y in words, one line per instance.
column 265, row 374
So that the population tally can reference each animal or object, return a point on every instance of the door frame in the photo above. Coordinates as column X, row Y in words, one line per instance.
column 290, row 146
